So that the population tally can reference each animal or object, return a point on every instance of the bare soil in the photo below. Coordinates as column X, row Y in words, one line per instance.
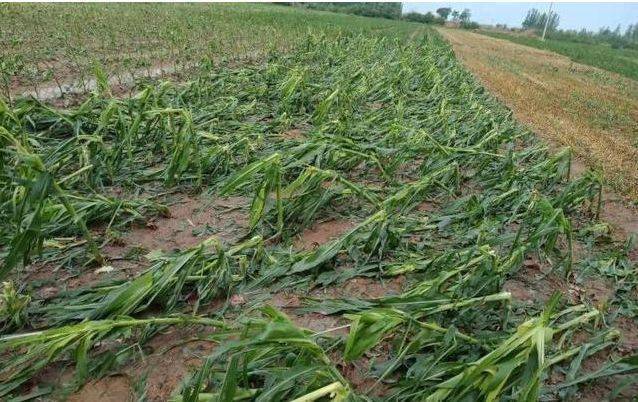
column 192, row 219
column 169, row 357
column 293, row 134
column 115, row 388
column 321, row 233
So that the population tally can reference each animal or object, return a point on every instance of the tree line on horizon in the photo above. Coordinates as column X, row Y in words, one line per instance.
column 535, row 20
column 461, row 17
column 393, row 10
column 389, row 10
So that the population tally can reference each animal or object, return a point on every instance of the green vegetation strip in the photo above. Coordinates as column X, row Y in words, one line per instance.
column 442, row 187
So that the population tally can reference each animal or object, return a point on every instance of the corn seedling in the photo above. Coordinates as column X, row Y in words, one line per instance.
column 13, row 308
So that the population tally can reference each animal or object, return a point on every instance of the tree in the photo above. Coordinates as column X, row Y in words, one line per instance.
column 428, row 18
column 465, row 15
column 444, row 12
column 531, row 19
column 455, row 15
column 469, row 25
column 390, row 10
column 536, row 20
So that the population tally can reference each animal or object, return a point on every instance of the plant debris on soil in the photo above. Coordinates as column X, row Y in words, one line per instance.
column 193, row 243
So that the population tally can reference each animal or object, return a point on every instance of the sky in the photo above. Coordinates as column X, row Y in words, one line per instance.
column 591, row 16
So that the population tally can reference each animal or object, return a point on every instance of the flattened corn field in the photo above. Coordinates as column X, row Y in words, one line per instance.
column 354, row 219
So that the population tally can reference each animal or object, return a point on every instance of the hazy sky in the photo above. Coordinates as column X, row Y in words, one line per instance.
column 572, row 15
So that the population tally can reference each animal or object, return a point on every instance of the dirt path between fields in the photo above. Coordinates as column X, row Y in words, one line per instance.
column 69, row 91
column 594, row 112
column 70, row 87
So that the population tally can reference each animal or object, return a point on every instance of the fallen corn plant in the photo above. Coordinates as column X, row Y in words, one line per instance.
column 13, row 308
column 32, row 351
column 209, row 269
column 35, row 185
column 314, row 189
column 516, row 367
column 266, row 177
column 272, row 360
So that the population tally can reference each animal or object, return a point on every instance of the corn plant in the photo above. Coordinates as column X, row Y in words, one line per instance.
column 373, row 228
column 369, row 326
column 267, row 180
column 272, row 360
column 210, row 267
column 37, row 186
column 13, row 308
column 314, row 189
column 336, row 152
column 516, row 367
column 37, row 349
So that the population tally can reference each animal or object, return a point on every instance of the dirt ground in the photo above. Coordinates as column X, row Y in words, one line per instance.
column 177, row 351
column 174, row 353
column 568, row 104
column 191, row 220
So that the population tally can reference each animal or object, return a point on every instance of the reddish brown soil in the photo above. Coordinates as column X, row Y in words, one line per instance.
column 321, row 233
column 319, row 323
column 189, row 218
column 597, row 291
column 629, row 334
column 535, row 283
column 362, row 288
column 285, row 300
column 187, row 225
column 172, row 360
column 173, row 354
column 293, row 134
column 288, row 302
column 53, row 281
column 427, row 206
column 108, row 389
column 358, row 372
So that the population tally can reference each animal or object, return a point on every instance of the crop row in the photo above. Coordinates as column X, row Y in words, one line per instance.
column 386, row 126
column 56, row 48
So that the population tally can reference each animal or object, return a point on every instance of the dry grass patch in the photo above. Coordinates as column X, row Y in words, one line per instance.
column 593, row 111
